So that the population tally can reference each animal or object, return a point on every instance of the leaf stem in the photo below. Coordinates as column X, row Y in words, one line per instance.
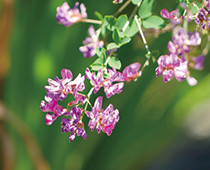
column 92, row 21
column 134, row 11
column 142, row 34
column 122, row 7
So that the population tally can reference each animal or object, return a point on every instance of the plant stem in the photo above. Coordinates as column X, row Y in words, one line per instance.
column 122, row 7
column 142, row 34
column 107, row 60
column 92, row 21
column 145, row 64
column 134, row 11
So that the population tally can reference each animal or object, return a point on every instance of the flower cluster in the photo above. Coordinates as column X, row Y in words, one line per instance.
column 114, row 83
column 59, row 89
column 104, row 73
column 181, row 55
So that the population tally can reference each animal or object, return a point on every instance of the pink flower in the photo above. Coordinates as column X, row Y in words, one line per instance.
column 173, row 15
column 60, row 88
column 131, row 72
column 104, row 120
column 191, row 81
column 98, row 81
column 73, row 125
column 171, row 66
column 51, row 106
column 90, row 43
column 67, row 16
column 95, row 80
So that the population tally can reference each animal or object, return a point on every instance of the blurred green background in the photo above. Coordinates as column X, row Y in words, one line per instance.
column 162, row 126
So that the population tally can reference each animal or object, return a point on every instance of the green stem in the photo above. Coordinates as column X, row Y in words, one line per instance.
column 122, row 7
column 145, row 64
column 142, row 34
column 134, row 11
column 87, row 102
column 92, row 21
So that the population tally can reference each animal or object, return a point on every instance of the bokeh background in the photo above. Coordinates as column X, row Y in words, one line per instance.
column 162, row 126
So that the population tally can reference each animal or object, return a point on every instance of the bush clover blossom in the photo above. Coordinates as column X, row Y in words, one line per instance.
column 106, row 73
column 173, row 16
column 131, row 72
column 102, row 120
column 73, row 125
column 67, row 16
column 171, row 66
column 90, row 43
column 203, row 19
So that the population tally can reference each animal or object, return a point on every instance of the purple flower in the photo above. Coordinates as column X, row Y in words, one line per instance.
column 51, row 106
column 60, row 88
column 104, row 120
column 198, row 62
column 98, row 81
column 169, row 15
column 131, row 72
column 73, row 125
column 90, row 43
column 173, row 16
column 181, row 42
column 208, row 6
column 67, row 16
column 191, row 81
column 203, row 19
column 112, row 89
column 171, row 66
column 95, row 80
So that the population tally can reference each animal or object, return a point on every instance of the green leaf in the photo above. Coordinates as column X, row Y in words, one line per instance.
column 121, row 33
column 135, row 2
column 99, row 16
column 113, row 45
column 146, row 8
column 97, row 64
column 110, row 22
column 115, row 36
column 132, row 29
column 101, row 52
column 114, row 62
column 103, row 30
column 125, row 41
column 153, row 22
column 121, row 21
